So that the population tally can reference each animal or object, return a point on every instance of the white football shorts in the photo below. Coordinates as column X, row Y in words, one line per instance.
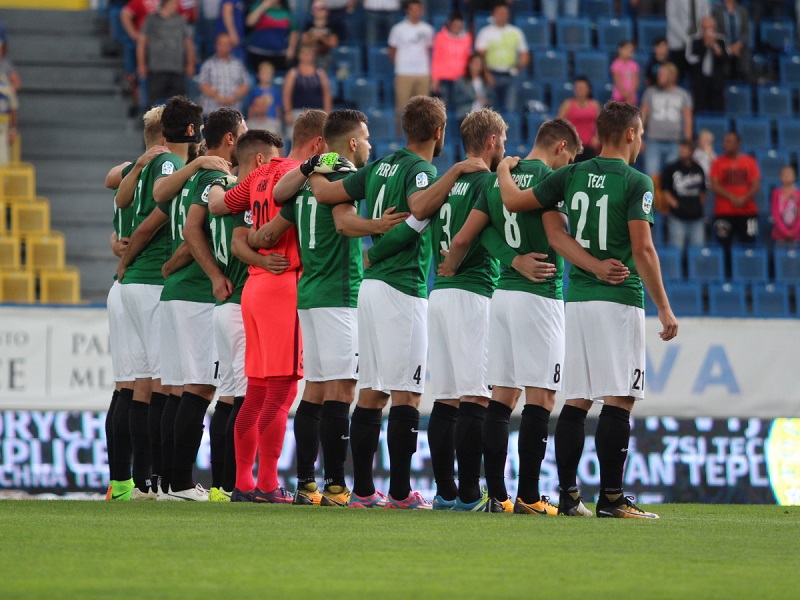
column 188, row 353
column 230, row 344
column 142, row 304
column 120, row 329
column 330, row 343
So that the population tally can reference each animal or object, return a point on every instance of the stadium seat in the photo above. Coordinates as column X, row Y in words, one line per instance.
column 706, row 263
column 670, row 259
column 603, row 92
column 378, row 62
column 44, row 251
column 536, row 31
column 592, row 64
column 10, row 256
column 551, row 66
column 599, row 8
column 529, row 93
column 775, row 102
column 777, row 34
column 533, row 121
column 17, row 286
column 738, row 100
column 612, row 31
column 755, row 132
column 18, row 180
column 347, row 62
column 788, row 134
column 717, row 125
column 381, row 124
column 787, row 264
column 515, row 134
column 4, row 208
column 789, row 69
column 30, row 217
column 361, row 92
column 749, row 264
column 770, row 163
column 649, row 29
column 573, row 33
column 558, row 93
column 771, row 300
column 60, row 286
column 727, row 300
column 481, row 19
column 381, row 149
column 685, row 298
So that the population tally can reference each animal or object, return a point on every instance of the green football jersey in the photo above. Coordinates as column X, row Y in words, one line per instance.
column 523, row 231
column 478, row 272
column 123, row 217
column 332, row 265
column 189, row 283
column 146, row 268
column 389, row 182
column 221, row 228
column 599, row 197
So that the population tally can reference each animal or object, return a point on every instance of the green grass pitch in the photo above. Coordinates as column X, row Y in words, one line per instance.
column 60, row 549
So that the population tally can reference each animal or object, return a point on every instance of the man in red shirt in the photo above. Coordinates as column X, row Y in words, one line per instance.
column 273, row 343
column 735, row 179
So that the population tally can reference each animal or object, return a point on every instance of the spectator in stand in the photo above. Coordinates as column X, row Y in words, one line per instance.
column 339, row 12
column 683, row 22
column 475, row 90
column 8, row 118
column 306, row 87
column 506, row 52
column 733, row 22
column 552, row 9
column 319, row 33
column 264, row 109
column 452, row 47
column 638, row 8
column 709, row 62
column 785, row 203
column 231, row 21
column 165, row 53
column 667, row 118
column 582, row 111
column 683, row 185
column 625, row 74
column 223, row 80
column 735, row 179
column 206, row 27
column 659, row 58
column 410, row 43
column 704, row 153
column 273, row 34
column 7, row 68
column 379, row 18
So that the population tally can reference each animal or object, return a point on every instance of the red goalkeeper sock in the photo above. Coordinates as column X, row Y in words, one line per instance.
column 245, row 438
column 281, row 392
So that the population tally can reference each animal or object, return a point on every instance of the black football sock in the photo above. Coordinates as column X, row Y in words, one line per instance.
column 401, row 438
column 569, row 439
column 365, row 432
column 229, row 476
column 219, row 423
column 168, row 440
column 611, row 439
column 109, row 427
column 121, row 437
column 532, row 445
column 334, row 435
column 495, row 448
column 157, row 403
column 441, row 439
column 306, row 437
column 188, row 434
column 140, row 443
column 469, row 449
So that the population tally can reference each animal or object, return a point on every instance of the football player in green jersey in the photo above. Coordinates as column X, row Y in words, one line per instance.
column 609, row 207
column 526, row 326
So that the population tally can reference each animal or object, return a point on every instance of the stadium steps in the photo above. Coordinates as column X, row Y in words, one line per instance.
column 74, row 127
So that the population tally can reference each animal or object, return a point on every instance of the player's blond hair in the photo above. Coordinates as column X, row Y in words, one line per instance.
column 421, row 116
column 478, row 127
column 153, row 130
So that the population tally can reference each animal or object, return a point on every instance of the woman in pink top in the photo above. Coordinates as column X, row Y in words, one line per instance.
column 625, row 73
column 452, row 47
column 786, row 209
column 582, row 111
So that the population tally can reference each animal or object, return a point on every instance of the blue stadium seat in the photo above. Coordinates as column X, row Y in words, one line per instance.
column 749, row 264
column 649, row 29
column 529, row 93
column 361, row 91
column 775, row 102
column 532, row 122
column 603, row 92
column 789, row 69
column 717, row 125
column 685, row 298
column 573, row 33
column 347, row 62
column 551, row 66
column 727, row 300
column 755, row 132
column 787, row 264
column 599, row 8
column 771, row 300
column 481, row 19
column 536, row 31
column 381, row 124
column 777, row 34
column 770, row 162
column 560, row 92
column 592, row 64
column 670, row 259
column 738, row 100
column 612, row 31
column 514, row 135
column 446, row 159
column 381, row 149
column 706, row 263
column 378, row 62
column 788, row 134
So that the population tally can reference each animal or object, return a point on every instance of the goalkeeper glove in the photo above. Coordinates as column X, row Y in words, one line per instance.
column 326, row 164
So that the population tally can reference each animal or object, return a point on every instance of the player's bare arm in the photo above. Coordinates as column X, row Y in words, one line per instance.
column 118, row 245
column 557, row 229
column 114, row 176
column 349, row 223
column 179, row 259
column 269, row 233
column 514, row 199
column 127, row 187
column 139, row 240
column 649, row 269
column 274, row 262
column 476, row 222
column 216, row 201
column 328, row 192
column 426, row 202
column 166, row 188
column 194, row 233
column 288, row 186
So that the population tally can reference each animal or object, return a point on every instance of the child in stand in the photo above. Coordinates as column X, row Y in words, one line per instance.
column 625, row 73
column 660, row 58
column 704, row 153
column 785, row 204
column 264, row 107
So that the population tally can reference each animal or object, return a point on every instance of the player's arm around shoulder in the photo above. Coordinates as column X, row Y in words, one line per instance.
column 167, row 187
column 331, row 192
column 269, row 233
column 288, row 185
column 649, row 269
column 350, row 224
column 425, row 203
column 476, row 222
column 514, row 199
column 273, row 262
